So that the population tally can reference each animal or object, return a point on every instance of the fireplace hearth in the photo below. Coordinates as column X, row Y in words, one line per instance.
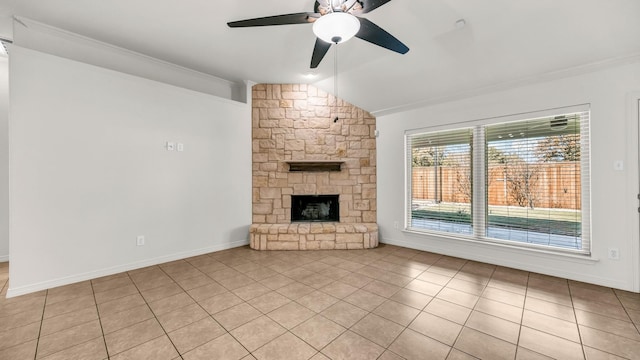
column 315, row 208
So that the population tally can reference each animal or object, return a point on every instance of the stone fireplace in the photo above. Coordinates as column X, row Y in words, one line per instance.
column 314, row 180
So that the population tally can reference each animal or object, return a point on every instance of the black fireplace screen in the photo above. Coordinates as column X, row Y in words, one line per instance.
column 315, row 208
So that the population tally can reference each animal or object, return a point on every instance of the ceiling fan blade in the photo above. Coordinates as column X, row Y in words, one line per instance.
column 319, row 51
column 376, row 35
column 286, row 19
column 370, row 5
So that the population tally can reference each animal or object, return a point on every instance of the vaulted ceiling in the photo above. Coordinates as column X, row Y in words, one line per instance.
column 503, row 42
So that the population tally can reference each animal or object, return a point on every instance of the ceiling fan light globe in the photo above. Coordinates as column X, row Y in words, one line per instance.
column 336, row 27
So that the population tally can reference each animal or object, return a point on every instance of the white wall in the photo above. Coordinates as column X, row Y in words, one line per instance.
column 4, row 159
column 613, row 193
column 45, row 38
column 89, row 171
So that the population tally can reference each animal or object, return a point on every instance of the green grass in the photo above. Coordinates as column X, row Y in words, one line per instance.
column 553, row 226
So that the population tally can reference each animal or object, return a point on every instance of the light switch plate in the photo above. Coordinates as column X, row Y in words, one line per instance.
column 180, row 147
column 170, row 146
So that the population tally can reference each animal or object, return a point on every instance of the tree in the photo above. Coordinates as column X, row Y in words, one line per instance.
column 522, row 179
column 559, row 148
column 428, row 156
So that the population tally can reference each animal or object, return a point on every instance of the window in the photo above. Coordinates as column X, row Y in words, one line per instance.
column 521, row 182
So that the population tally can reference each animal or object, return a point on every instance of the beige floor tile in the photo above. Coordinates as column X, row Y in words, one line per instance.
column 170, row 303
column 456, row 354
column 412, row 345
column 389, row 355
column 550, row 295
column 276, row 282
column 498, row 309
column 365, row 300
column 469, row 287
column 494, row 326
column 220, row 302
column 394, row 279
column 132, row 336
column 377, row 329
column 295, row 290
column 286, row 346
column 20, row 319
column 317, row 281
column 381, row 288
column 223, row 347
column 411, row 298
column 251, row 291
column 152, row 282
column 116, row 293
column 113, row 282
column 257, row 332
column 484, row 346
column 338, row 289
column 161, row 292
column 435, row 327
column 91, row 350
column 520, row 289
column 448, row 310
column 68, row 320
column 181, row 317
column 195, row 281
column 595, row 354
column 550, row 308
column 458, row 297
column 614, row 326
column 26, row 350
column 434, row 278
column 603, row 295
column 122, row 304
column 196, row 334
column 318, row 331
column 357, row 280
column 67, row 292
column 351, row 346
column 18, row 305
column 235, row 316
column 549, row 345
column 51, row 310
column 291, row 315
column 503, row 296
column 269, row 302
column 551, row 325
column 67, row 338
column 526, row 354
column 344, row 313
column 317, row 301
column 235, row 282
column 424, row 287
column 120, row 320
column 159, row 348
column 396, row 312
column 206, row 291
column 610, row 343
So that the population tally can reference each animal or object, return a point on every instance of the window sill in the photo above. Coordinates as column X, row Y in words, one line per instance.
column 497, row 244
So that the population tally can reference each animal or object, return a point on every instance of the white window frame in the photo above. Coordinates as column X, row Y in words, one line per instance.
column 479, row 200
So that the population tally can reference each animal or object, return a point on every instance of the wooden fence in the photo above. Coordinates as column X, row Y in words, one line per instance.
column 550, row 185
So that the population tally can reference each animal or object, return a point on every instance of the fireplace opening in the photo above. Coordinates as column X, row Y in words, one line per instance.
column 319, row 208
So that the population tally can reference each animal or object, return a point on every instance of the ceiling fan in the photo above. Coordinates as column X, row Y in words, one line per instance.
column 334, row 22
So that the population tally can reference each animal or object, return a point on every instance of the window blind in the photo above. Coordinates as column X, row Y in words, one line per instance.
column 537, row 181
column 439, row 181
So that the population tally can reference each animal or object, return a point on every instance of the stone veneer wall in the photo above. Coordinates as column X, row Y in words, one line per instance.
column 295, row 122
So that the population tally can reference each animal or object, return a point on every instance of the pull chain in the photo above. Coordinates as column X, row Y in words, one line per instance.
column 335, row 81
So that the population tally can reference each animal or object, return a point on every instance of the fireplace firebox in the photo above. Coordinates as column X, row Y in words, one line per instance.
column 315, row 208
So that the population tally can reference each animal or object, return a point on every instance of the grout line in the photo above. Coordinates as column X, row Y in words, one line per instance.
column 35, row 356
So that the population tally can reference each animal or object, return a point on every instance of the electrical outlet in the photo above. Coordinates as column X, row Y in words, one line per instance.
column 614, row 254
column 140, row 240
column 170, row 146
column 396, row 224
column 180, row 147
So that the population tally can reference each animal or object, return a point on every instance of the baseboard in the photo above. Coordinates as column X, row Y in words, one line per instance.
column 4, row 258
column 476, row 256
column 22, row 290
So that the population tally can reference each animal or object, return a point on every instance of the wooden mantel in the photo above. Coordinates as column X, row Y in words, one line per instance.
column 315, row 165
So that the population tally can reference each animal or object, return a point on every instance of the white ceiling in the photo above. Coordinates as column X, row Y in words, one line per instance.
column 505, row 41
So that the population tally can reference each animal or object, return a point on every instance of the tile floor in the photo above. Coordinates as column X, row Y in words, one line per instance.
column 386, row 303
